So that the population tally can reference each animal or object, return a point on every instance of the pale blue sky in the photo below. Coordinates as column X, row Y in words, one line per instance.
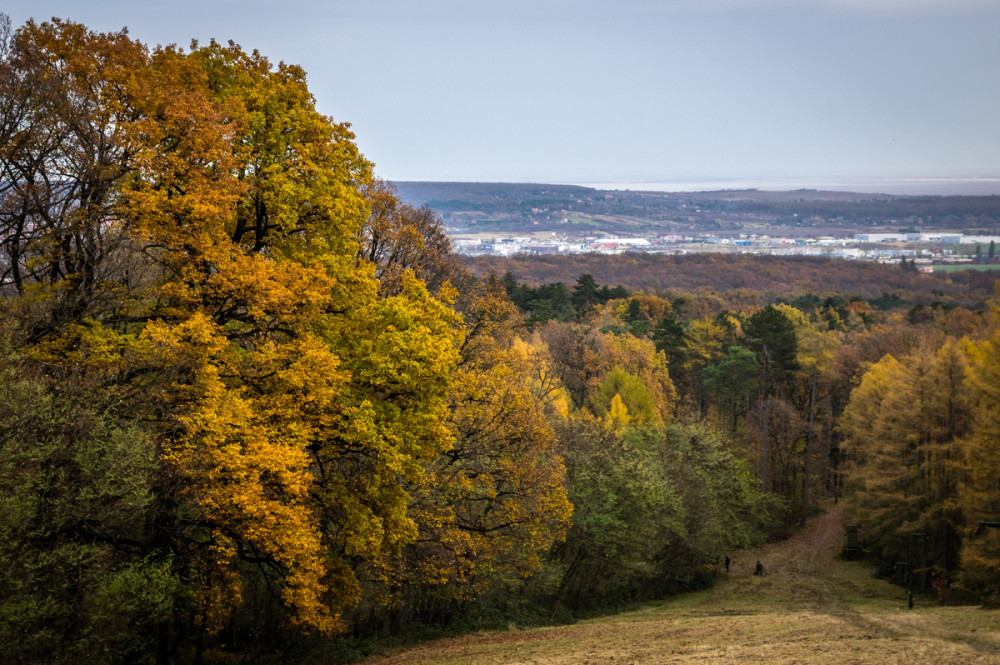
column 624, row 91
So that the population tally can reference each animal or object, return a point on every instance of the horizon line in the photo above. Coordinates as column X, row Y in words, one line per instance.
column 898, row 185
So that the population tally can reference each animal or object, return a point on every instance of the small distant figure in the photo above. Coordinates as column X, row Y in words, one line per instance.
column 759, row 569
column 727, row 564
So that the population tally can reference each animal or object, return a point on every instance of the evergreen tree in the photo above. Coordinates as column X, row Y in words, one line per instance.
column 585, row 294
column 636, row 318
column 771, row 335
column 668, row 336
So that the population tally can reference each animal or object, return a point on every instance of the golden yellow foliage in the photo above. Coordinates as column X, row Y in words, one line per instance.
column 495, row 500
column 638, row 357
column 294, row 406
column 617, row 418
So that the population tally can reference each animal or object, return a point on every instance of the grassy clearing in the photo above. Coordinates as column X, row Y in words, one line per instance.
column 808, row 608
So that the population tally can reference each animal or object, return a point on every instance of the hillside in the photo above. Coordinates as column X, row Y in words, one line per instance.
column 574, row 210
column 810, row 607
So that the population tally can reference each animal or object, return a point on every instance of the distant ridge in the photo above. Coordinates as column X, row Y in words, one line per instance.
column 987, row 186
column 580, row 210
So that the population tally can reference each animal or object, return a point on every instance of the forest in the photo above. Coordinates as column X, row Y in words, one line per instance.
column 721, row 281
column 254, row 409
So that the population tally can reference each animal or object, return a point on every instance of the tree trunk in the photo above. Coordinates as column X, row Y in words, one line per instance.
column 808, row 452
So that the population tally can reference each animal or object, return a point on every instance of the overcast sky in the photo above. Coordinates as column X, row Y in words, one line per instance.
column 623, row 91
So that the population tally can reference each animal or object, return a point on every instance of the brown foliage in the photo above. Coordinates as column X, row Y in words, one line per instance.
column 746, row 279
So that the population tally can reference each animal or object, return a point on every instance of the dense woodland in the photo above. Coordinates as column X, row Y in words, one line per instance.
column 252, row 408
column 733, row 280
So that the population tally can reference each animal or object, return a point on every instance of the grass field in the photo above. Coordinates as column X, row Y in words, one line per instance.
column 809, row 607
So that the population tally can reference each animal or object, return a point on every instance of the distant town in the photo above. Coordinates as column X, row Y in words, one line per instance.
column 501, row 219
column 924, row 249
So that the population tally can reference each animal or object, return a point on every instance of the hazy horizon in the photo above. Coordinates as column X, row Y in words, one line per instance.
column 896, row 186
column 901, row 186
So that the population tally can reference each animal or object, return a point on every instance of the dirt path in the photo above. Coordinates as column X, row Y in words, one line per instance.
column 807, row 554
column 809, row 607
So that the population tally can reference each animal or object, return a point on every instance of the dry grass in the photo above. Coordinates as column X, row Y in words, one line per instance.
column 808, row 608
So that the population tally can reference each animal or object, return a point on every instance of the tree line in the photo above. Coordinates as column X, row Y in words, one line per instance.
column 887, row 407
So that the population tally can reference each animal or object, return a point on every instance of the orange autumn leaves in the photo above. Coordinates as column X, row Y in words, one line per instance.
column 190, row 235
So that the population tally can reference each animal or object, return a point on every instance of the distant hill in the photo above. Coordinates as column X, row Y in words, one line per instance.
column 573, row 210
column 487, row 193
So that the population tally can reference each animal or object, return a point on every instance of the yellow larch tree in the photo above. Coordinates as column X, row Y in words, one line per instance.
column 902, row 429
column 979, row 494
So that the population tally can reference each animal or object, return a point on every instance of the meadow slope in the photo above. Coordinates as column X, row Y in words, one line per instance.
column 810, row 607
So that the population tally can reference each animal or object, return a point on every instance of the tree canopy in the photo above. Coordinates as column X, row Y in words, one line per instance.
column 186, row 238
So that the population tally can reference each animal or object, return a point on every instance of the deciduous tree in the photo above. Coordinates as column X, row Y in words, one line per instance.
column 185, row 226
column 902, row 430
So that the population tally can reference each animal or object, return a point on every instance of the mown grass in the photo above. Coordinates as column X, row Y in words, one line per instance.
column 810, row 609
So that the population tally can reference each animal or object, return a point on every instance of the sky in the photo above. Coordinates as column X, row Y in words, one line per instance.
column 900, row 94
